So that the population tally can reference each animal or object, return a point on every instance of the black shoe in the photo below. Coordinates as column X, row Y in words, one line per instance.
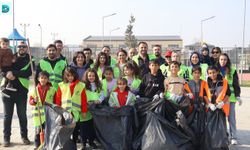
column 4, row 93
column 6, row 143
column 92, row 145
column 26, row 141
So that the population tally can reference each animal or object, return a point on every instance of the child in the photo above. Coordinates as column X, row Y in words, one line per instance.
column 43, row 92
column 131, row 72
column 93, row 90
column 121, row 96
column 108, row 81
column 100, row 63
column 220, row 93
column 230, row 74
column 152, row 83
column 174, row 84
column 6, row 60
column 71, row 96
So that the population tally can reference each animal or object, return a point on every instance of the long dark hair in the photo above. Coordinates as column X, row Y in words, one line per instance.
column 198, row 58
column 133, row 66
column 107, row 68
column 97, row 81
column 228, row 64
column 71, row 71
column 97, row 62
column 75, row 56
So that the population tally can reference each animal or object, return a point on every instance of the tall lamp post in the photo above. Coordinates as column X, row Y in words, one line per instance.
column 41, row 37
column 24, row 28
column 110, row 34
column 243, row 43
column 103, row 17
column 202, row 26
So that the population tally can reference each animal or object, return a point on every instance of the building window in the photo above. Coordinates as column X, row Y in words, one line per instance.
column 173, row 46
column 122, row 46
column 91, row 45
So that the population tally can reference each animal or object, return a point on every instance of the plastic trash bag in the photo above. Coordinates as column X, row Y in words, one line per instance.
column 215, row 135
column 59, row 126
column 160, row 134
column 114, row 127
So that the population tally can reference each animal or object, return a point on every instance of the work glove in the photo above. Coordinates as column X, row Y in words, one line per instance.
column 156, row 96
column 220, row 105
column 137, row 96
column 212, row 107
column 190, row 95
column 161, row 95
column 239, row 100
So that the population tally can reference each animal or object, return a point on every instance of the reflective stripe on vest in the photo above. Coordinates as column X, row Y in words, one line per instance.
column 56, row 73
column 49, row 98
column 72, row 103
column 113, row 101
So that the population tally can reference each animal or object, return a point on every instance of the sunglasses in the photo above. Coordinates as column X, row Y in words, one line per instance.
column 22, row 46
column 215, row 52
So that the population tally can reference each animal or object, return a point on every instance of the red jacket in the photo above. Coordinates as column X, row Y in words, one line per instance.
column 58, row 97
column 41, row 92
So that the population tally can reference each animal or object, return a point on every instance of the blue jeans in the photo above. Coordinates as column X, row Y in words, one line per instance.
column 20, row 99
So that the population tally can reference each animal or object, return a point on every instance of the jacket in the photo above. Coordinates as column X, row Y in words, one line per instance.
column 6, row 57
column 151, row 85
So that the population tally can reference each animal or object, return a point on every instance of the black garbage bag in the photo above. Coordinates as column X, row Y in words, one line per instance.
column 59, row 126
column 215, row 134
column 114, row 127
column 160, row 134
column 162, row 108
column 196, row 120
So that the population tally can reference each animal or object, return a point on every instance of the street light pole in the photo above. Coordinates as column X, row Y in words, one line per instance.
column 202, row 26
column 243, row 42
column 41, row 37
column 103, row 17
column 110, row 34
column 24, row 28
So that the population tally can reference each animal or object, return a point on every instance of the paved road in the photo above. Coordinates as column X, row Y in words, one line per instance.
column 243, row 123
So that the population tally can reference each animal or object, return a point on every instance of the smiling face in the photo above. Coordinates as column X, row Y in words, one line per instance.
column 80, row 59
column 175, row 57
column 143, row 49
column 212, row 74
column 223, row 60
column 174, row 68
column 43, row 80
column 157, row 51
column 128, row 71
column 121, row 57
column 91, row 77
column 121, row 85
column 194, row 59
column 51, row 52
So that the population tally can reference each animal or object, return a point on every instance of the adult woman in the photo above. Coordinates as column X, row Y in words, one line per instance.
column 79, row 63
column 196, row 61
column 122, row 59
column 216, row 51
column 100, row 63
column 230, row 74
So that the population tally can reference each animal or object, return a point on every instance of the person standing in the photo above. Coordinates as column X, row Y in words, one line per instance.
column 157, row 51
column 216, row 51
column 59, row 48
column 111, row 61
column 230, row 74
column 88, row 53
column 142, row 58
column 53, row 65
column 19, row 75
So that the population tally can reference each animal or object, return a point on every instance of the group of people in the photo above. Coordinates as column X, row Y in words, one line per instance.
column 113, row 81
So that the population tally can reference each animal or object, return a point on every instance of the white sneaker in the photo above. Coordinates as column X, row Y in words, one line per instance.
column 234, row 142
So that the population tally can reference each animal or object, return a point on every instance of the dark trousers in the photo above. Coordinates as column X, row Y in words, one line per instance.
column 37, row 135
column 20, row 99
column 87, row 131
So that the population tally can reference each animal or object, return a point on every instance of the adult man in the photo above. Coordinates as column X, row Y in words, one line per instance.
column 157, row 51
column 165, row 67
column 131, row 52
column 53, row 65
column 21, row 70
column 142, row 58
column 59, row 47
column 88, row 53
column 111, row 61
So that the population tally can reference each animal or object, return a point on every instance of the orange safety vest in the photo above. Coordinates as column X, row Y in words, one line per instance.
column 221, row 97
column 204, row 85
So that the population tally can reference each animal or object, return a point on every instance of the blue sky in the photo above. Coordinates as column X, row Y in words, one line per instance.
column 74, row 20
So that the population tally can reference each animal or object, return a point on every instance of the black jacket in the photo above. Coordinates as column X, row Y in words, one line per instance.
column 213, row 86
column 151, row 85
column 17, row 72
